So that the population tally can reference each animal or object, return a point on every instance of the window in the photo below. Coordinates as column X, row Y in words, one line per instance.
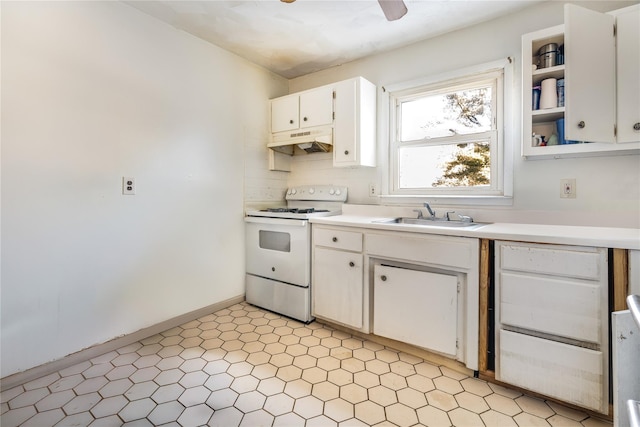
column 447, row 135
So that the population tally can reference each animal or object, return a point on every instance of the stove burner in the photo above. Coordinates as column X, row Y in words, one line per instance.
column 296, row 210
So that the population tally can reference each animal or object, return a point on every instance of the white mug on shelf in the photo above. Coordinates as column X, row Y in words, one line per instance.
column 548, row 95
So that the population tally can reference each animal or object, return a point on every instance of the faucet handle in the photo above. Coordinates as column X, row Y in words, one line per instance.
column 420, row 216
column 465, row 218
column 446, row 215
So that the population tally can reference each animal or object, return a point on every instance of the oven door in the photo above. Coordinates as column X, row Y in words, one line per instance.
column 279, row 249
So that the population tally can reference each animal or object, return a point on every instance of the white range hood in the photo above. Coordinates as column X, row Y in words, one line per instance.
column 317, row 140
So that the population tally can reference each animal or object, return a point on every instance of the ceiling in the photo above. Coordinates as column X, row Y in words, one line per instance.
column 310, row 35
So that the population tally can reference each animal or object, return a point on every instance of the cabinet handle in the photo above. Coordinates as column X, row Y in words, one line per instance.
column 352, row 264
column 383, row 278
column 335, row 239
column 346, row 152
column 581, row 124
column 273, row 269
column 636, row 126
column 291, row 122
column 304, row 119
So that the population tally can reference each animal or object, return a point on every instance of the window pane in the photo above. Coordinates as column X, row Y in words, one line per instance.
column 440, row 115
column 453, row 165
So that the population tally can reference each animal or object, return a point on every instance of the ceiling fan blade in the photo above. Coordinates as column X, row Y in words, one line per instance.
column 393, row 9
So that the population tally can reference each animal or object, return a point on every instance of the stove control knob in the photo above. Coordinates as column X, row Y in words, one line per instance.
column 332, row 191
column 338, row 192
column 293, row 191
column 312, row 190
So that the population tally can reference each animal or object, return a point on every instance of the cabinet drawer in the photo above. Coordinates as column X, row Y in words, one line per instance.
column 558, row 306
column 569, row 373
column 582, row 263
column 339, row 239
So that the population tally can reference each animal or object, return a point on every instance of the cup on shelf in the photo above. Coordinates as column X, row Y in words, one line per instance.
column 535, row 98
column 548, row 94
column 560, row 85
column 560, row 131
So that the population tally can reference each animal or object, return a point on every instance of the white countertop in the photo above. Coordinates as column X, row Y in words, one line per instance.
column 607, row 237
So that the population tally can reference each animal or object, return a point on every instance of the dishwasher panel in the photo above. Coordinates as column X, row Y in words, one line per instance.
column 417, row 307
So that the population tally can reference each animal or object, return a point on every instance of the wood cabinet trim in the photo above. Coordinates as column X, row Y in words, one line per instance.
column 620, row 279
column 485, row 270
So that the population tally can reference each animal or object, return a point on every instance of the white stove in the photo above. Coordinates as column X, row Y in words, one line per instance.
column 306, row 202
column 278, row 249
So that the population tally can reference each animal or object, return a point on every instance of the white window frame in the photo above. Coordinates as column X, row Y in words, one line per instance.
column 500, row 191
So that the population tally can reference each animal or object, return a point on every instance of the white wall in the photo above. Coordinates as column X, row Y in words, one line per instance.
column 608, row 187
column 91, row 92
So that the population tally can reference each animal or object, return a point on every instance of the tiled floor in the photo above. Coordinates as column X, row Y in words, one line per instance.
column 244, row 366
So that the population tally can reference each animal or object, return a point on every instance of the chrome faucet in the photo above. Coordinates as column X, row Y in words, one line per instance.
column 431, row 211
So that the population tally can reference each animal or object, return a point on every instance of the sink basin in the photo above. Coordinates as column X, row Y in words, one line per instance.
column 431, row 222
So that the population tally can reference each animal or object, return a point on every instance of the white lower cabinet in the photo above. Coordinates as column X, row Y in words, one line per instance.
column 337, row 285
column 416, row 307
column 425, row 291
column 552, row 321
column 411, row 287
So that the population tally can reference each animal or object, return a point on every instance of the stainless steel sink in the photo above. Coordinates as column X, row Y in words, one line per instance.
column 431, row 222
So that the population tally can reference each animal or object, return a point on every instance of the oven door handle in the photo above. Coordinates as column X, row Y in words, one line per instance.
column 276, row 221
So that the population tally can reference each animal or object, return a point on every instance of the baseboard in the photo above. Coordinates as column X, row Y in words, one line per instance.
column 114, row 344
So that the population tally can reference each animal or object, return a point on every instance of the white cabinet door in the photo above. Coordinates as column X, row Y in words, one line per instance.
column 303, row 110
column 316, row 107
column 355, row 124
column 337, row 286
column 628, row 57
column 589, row 76
column 284, row 113
column 416, row 307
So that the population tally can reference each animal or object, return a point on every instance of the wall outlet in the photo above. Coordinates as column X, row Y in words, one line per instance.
column 568, row 188
column 372, row 190
column 128, row 186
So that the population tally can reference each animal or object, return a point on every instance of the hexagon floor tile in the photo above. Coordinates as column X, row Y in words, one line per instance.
column 243, row 366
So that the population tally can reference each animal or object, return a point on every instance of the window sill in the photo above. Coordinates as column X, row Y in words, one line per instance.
column 458, row 200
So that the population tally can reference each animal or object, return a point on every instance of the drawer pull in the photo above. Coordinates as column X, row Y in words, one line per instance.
column 335, row 239
column 383, row 278
column 352, row 264
column 581, row 124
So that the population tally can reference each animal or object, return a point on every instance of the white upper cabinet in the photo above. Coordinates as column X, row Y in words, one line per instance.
column 589, row 75
column 598, row 77
column 304, row 110
column 355, row 125
column 628, row 67
column 346, row 108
